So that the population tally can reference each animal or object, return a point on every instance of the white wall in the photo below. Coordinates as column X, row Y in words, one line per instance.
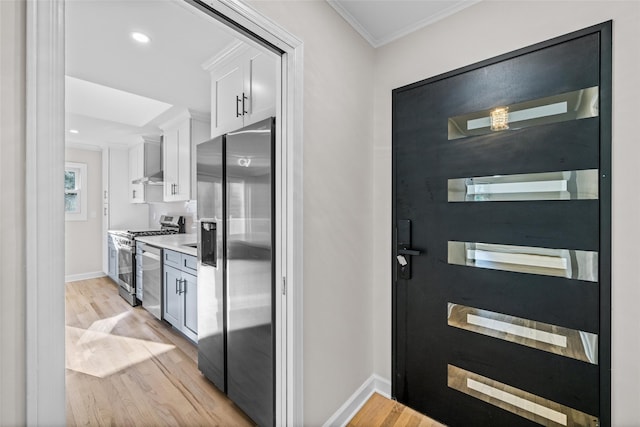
column 12, row 213
column 338, row 101
column 83, row 239
column 187, row 209
column 484, row 30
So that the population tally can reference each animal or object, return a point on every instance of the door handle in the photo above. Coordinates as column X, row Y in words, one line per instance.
column 244, row 98
column 405, row 251
column 238, row 100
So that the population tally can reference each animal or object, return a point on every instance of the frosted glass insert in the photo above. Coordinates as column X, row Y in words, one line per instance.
column 522, row 403
column 576, row 105
column 569, row 263
column 566, row 342
column 563, row 185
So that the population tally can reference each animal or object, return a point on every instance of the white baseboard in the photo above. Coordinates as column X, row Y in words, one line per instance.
column 350, row 408
column 83, row 276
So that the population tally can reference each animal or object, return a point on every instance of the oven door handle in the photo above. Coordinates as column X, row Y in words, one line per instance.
column 151, row 255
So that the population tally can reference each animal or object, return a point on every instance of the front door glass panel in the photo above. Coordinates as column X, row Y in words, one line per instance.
column 563, row 185
column 535, row 408
column 567, row 342
column 574, row 105
column 572, row 264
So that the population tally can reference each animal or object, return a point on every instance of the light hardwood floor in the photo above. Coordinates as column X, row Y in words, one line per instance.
column 380, row 411
column 126, row 368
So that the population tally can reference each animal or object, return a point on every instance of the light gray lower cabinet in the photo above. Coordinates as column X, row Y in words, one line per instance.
column 181, row 293
column 113, row 259
column 190, row 319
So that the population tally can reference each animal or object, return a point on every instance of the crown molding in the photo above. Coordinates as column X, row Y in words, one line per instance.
column 454, row 8
column 231, row 51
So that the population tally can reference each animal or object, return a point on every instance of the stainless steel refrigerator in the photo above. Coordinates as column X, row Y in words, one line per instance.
column 236, row 273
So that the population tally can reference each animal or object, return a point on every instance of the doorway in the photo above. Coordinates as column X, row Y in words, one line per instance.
column 501, row 219
column 45, row 26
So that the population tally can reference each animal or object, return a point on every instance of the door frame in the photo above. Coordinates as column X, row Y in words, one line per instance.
column 45, row 144
column 604, row 30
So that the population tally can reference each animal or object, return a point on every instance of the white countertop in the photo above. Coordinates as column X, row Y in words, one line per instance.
column 174, row 242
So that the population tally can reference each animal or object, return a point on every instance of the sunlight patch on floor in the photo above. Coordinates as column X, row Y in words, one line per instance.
column 102, row 325
column 84, row 347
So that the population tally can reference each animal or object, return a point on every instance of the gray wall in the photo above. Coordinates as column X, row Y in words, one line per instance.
column 12, row 213
column 338, row 124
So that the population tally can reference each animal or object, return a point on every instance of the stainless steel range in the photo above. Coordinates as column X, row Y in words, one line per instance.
column 126, row 246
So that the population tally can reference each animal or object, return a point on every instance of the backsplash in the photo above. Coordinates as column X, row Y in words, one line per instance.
column 187, row 209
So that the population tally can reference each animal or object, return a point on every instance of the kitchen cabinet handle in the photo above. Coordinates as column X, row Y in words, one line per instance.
column 177, row 292
column 183, row 282
column 238, row 104
column 244, row 98
column 105, row 194
column 105, row 211
column 134, row 194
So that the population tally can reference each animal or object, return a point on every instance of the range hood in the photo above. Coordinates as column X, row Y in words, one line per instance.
column 146, row 159
column 154, row 179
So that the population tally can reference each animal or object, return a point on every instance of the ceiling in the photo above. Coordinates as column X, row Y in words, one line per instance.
column 382, row 21
column 118, row 90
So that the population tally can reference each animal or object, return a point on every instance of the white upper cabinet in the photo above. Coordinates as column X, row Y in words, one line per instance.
column 144, row 160
column 181, row 134
column 243, row 87
column 136, row 160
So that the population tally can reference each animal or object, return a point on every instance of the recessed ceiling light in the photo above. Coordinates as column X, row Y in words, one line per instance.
column 73, row 131
column 140, row 37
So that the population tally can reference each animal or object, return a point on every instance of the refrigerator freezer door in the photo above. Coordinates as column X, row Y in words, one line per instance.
column 211, row 287
column 250, row 270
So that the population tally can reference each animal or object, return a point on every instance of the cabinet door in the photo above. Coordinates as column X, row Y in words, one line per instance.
column 136, row 166
column 113, row 260
column 260, row 86
column 169, row 162
column 226, row 105
column 183, row 163
column 172, row 296
column 190, row 295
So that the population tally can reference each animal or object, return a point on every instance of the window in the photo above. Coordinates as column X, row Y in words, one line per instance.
column 75, row 198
